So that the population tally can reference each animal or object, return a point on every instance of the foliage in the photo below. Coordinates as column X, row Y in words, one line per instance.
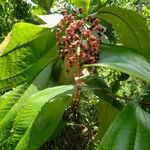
column 11, row 12
column 33, row 104
column 132, row 130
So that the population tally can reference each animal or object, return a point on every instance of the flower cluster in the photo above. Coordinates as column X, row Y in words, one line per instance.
column 79, row 39
column 79, row 42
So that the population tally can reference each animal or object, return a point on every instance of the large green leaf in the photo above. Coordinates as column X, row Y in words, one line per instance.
column 130, row 130
column 130, row 27
column 24, row 53
column 10, row 98
column 17, row 129
column 45, row 123
column 125, row 60
column 11, row 102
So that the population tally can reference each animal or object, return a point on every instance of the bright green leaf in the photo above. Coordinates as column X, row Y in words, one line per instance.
column 24, row 53
column 2, row 2
column 130, row 130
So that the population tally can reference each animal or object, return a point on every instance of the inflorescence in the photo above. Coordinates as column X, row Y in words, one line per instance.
column 78, row 41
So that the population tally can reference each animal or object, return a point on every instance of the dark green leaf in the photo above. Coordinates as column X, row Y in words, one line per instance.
column 125, row 60
column 130, row 130
column 100, row 88
column 106, row 108
column 123, row 77
column 130, row 27
column 27, row 119
column 106, row 114
column 96, row 82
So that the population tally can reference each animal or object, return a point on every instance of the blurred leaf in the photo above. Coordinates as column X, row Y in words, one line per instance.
column 130, row 26
column 2, row 2
column 64, row 72
column 96, row 5
column 85, row 4
column 24, row 53
column 130, row 130
column 58, row 67
column 125, row 60
column 107, row 107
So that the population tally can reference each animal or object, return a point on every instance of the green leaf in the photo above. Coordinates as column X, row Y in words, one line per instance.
column 123, row 77
column 101, row 89
column 130, row 26
column 125, row 60
column 2, row 2
column 10, row 98
column 107, row 107
column 85, row 4
column 24, row 53
column 11, row 102
column 130, row 130
column 115, row 86
column 45, row 4
column 106, row 114
column 46, row 122
column 27, row 120
column 96, row 82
